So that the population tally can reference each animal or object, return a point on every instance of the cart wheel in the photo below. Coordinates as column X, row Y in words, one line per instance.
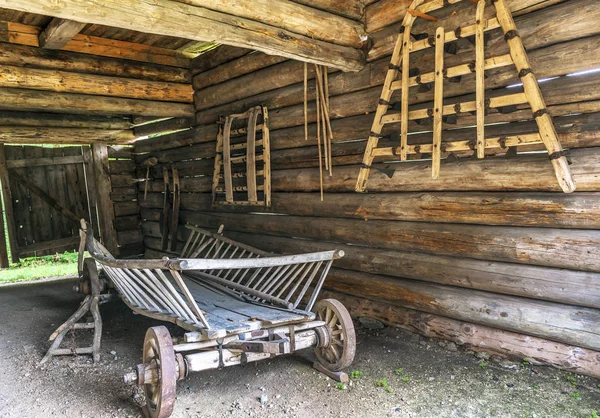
column 339, row 352
column 159, row 354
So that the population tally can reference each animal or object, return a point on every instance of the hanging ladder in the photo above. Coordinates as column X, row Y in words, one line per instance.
column 400, row 67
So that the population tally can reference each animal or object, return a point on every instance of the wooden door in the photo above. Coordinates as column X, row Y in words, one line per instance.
column 48, row 191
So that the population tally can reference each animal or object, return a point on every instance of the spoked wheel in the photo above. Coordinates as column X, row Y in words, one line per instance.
column 159, row 355
column 338, row 349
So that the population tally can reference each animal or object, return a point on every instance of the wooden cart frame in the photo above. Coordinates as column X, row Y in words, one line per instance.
column 237, row 303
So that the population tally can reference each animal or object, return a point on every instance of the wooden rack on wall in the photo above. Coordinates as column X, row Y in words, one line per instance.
column 243, row 139
column 400, row 65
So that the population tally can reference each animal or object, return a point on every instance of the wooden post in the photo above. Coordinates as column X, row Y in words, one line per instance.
column 106, row 212
column 404, row 100
column 10, row 216
column 438, row 103
column 3, row 247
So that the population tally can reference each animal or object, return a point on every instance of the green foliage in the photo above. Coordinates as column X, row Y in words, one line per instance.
column 575, row 395
column 535, row 386
column 340, row 386
column 594, row 415
column 388, row 389
column 399, row 372
column 572, row 381
column 38, row 267
column 405, row 379
column 382, row 383
column 525, row 362
column 356, row 374
column 483, row 365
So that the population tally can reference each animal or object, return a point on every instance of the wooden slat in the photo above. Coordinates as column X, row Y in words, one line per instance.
column 4, row 263
column 250, row 155
column 35, row 162
column 49, row 245
column 106, row 211
column 8, row 206
column 438, row 103
column 406, row 46
column 227, row 159
column 266, row 157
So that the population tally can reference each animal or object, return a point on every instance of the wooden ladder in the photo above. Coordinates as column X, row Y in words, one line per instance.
column 400, row 65
column 250, row 152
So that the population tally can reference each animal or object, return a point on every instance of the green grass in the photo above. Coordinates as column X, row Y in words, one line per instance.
column 38, row 267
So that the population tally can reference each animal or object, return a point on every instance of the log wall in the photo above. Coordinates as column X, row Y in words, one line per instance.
column 492, row 254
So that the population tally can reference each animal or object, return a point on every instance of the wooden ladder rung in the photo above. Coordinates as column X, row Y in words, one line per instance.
column 242, row 174
column 243, row 145
column 243, row 158
column 238, row 189
column 451, row 109
column 465, row 145
column 456, row 71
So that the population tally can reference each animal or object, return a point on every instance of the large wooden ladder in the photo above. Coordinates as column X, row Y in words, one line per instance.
column 400, row 66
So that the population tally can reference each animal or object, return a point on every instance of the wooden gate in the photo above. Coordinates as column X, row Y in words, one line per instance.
column 45, row 193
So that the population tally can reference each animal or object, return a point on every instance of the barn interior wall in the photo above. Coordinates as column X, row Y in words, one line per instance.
column 491, row 255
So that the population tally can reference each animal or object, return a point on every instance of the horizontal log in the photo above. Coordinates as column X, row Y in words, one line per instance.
column 34, row 101
column 41, row 135
column 524, row 173
column 120, row 151
column 128, row 223
column 517, row 346
column 121, row 166
column 126, row 208
column 171, row 140
column 164, row 17
column 129, row 237
column 123, row 194
column 243, row 65
column 167, row 125
column 57, row 120
column 44, row 161
column 18, row 33
column 68, row 82
column 557, row 322
column 293, row 17
column 48, row 245
column 215, row 57
column 560, row 248
column 122, row 180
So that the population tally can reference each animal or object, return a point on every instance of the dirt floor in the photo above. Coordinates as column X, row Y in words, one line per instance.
column 424, row 378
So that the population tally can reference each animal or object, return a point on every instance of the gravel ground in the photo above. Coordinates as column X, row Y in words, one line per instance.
column 424, row 378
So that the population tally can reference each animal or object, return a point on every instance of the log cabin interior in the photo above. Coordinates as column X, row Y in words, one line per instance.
column 468, row 209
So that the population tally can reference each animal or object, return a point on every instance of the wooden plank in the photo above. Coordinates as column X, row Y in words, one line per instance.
column 164, row 17
column 49, row 245
column 92, row 197
column 57, row 120
column 58, row 32
column 43, row 135
column 8, row 206
column 406, row 46
column 266, row 157
column 35, row 162
column 106, row 211
column 438, row 103
column 216, row 57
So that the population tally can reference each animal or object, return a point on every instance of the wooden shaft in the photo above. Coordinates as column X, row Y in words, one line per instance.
column 438, row 103
column 406, row 45
column 535, row 98
column 480, row 77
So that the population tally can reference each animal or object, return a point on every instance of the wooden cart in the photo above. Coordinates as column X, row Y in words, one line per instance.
column 237, row 303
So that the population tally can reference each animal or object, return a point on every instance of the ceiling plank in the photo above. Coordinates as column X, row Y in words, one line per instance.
column 172, row 18
column 58, row 32
column 17, row 33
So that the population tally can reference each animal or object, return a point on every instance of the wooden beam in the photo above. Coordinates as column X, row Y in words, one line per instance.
column 8, row 206
column 165, row 17
column 106, row 209
column 43, row 161
column 48, row 245
column 58, row 32
column 18, row 33
column 36, row 101
column 54, row 204
column 42, row 135
column 3, row 245
column 69, row 82
column 294, row 17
